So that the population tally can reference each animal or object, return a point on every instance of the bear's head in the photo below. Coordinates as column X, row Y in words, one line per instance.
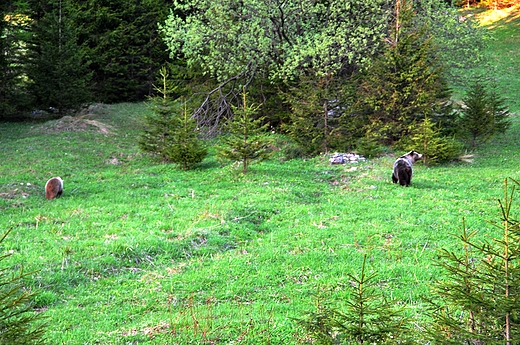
column 413, row 156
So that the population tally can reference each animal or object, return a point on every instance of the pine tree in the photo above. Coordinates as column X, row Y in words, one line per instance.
column 483, row 114
column 170, row 133
column 19, row 325
column 58, row 68
column 479, row 300
column 185, row 148
column 245, row 140
column 368, row 317
column 405, row 84
column 476, row 122
column 501, row 114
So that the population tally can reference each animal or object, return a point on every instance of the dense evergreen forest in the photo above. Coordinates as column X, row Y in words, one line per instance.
column 61, row 54
column 350, row 69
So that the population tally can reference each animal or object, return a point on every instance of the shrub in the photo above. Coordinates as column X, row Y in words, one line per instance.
column 369, row 146
column 320, row 119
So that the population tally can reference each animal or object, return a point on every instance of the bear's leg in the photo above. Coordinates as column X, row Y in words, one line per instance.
column 404, row 178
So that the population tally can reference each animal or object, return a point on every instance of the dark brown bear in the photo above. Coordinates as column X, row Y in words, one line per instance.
column 403, row 168
column 53, row 188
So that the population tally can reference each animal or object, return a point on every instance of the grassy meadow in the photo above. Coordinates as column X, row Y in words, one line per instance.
column 138, row 252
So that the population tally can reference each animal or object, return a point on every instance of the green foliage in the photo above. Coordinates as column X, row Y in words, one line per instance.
column 427, row 138
column 460, row 39
column 58, row 55
column 170, row 133
column 245, row 140
column 312, row 117
column 369, row 146
column 405, row 84
column 268, row 47
column 368, row 317
column 186, row 148
column 274, row 40
column 478, row 300
column 273, row 45
column 18, row 322
column 483, row 114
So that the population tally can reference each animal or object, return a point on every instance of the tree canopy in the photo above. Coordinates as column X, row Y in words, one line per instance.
column 276, row 39
column 279, row 45
column 282, row 39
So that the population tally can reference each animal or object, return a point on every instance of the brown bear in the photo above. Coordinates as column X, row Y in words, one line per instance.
column 403, row 168
column 53, row 188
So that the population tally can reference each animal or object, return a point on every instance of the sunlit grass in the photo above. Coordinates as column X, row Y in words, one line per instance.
column 496, row 18
column 501, row 60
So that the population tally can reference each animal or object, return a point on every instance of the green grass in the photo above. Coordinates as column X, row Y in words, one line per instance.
column 137, row 252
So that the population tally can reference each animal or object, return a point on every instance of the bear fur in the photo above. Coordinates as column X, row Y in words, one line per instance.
column 53, row 188
column 403, row 170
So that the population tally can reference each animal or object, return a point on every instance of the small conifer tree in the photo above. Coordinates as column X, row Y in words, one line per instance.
column 427, row 138
column 368, row 317
column 18, row 321
column 245, row 140
column 186, row 149
column 479, row 300
column 169, row 132
column 483, row 114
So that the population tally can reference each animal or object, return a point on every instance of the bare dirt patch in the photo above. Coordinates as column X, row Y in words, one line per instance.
column 18, row 190
column 82, row 122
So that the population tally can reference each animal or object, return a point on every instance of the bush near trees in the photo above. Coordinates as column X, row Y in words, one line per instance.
column 171, row 134
column 265, row 46
column 313, row 116
column 289, row 48
column 368, row 316
column 427, row 138
column 246, row 43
